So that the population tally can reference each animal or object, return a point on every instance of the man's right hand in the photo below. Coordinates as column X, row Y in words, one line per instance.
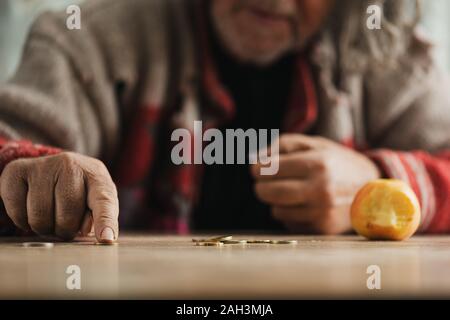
column 61, row 195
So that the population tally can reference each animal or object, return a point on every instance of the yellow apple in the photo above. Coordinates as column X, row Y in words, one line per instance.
column 385, row 209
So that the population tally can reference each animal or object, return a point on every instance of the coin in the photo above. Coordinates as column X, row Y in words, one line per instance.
column 210, row 244
column 259, row 241
column 234, row 241
column 221, row 238
column 37, row 245
column 283, row 241
column 204, row 240
column 200, row 240
column 215, row 239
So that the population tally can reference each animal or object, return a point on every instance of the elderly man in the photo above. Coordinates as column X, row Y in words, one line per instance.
column 93, row 107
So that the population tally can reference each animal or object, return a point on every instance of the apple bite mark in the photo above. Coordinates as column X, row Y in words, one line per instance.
column 385, row 210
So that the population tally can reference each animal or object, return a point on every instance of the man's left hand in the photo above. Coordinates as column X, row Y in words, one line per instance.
column 315, row 184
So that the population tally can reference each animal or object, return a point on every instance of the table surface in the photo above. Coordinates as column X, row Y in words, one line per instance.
column 166, row 267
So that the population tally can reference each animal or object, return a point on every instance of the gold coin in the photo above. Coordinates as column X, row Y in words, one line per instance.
column 259, row 241
column 201, row 240
column 221, row 238
column 210, row 244
column 234, row 241
column 283, row 241
column 215, row 239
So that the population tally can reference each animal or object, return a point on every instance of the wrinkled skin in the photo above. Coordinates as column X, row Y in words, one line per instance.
column 60, row 196
column 260, row 31
column 315, row 184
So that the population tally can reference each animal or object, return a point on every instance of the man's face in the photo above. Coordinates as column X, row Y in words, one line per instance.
column 260, row 31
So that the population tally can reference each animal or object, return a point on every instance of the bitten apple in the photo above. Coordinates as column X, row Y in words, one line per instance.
column 385, row 209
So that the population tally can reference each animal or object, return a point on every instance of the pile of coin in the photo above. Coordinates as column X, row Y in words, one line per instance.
column 227, row 240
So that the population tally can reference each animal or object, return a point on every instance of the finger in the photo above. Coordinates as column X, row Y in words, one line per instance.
column 70, row 201
column 286, row 143
column 299, row 165
column 295, row 214
column 87, row 224
column 13, row 190
column 103, row 201
column 40, row 208
column 296, row 142
column 284, row 192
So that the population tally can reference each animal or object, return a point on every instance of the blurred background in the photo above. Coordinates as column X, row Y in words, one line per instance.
column 16, row 17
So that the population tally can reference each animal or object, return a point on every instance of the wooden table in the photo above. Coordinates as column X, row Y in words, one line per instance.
column 173, row 267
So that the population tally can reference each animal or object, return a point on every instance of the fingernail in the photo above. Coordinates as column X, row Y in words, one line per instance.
column 107, row 234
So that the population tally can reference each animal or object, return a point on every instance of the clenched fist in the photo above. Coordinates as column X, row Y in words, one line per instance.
column 315, row 184
column 61, row 195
